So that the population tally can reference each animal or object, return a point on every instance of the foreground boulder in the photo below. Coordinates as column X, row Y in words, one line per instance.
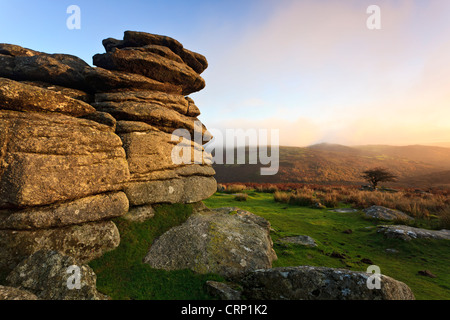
column 216, row 242
column 319, row 283
column 51, row 276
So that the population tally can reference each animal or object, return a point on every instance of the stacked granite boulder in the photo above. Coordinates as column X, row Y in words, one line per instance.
column 79, row 145
column 147, row 119
column 60, row 176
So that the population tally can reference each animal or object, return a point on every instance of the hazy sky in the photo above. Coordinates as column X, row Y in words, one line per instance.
column 311, row 69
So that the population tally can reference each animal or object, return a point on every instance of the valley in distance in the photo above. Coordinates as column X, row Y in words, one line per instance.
column 416, row 166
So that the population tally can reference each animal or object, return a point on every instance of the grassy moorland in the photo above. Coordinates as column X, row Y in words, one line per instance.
column 352, row 251
column 122, row 275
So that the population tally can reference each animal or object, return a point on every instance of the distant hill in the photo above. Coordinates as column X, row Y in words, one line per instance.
column 440, row 178
column 416, row 166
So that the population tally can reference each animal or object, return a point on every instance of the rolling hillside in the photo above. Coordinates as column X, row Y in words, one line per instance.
column 416, row 166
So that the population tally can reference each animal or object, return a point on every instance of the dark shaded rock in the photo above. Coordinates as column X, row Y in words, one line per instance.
column 23, row 97
column 426, row 273
column 68, row 92
column 319, row 283
column 153, row 66
column 10, row 293
column 175, row 102
column 141, row 39
column 199, row 206
column 102, row 118
column 140, row 214
column 209, row 241
column 48, row 275
column 367, row 261
column 83, row 242
column 222, row 291
column 102, row 80
column 45, row 68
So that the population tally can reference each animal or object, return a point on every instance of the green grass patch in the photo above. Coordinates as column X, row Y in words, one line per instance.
column 121, row 274
column 341, row 250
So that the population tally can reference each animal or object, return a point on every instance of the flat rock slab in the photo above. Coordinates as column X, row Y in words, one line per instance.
column 344, row 210
column 89, row 209
column 302, row 240
column 153, row 66
column 319, row 283
column 23, row 97
column 408, row 233
column 103, row 80
column 209, row 241
column 383, row 213
column 182, row 190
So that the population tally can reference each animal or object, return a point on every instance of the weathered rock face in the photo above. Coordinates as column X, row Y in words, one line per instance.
column 152, row 65
column 59, row 174
column 217, row 242
column 80, row 144
column 139, row 39
column 23, row 97
column 52, row 276
column 148, row 116
column 49, row 158
column 319, row 283
column 88, row 209
column 84, row 242
column 11, row 293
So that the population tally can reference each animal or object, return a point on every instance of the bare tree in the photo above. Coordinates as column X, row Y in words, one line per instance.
column 376, row 175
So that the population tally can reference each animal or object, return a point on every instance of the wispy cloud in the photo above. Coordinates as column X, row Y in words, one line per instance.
column 313, row 69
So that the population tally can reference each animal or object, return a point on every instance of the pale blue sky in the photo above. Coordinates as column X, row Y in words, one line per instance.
column 309, row 68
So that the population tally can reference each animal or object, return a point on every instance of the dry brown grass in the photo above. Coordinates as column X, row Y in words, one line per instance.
column 241, row 197
column 444, row 216
column 419, row 205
